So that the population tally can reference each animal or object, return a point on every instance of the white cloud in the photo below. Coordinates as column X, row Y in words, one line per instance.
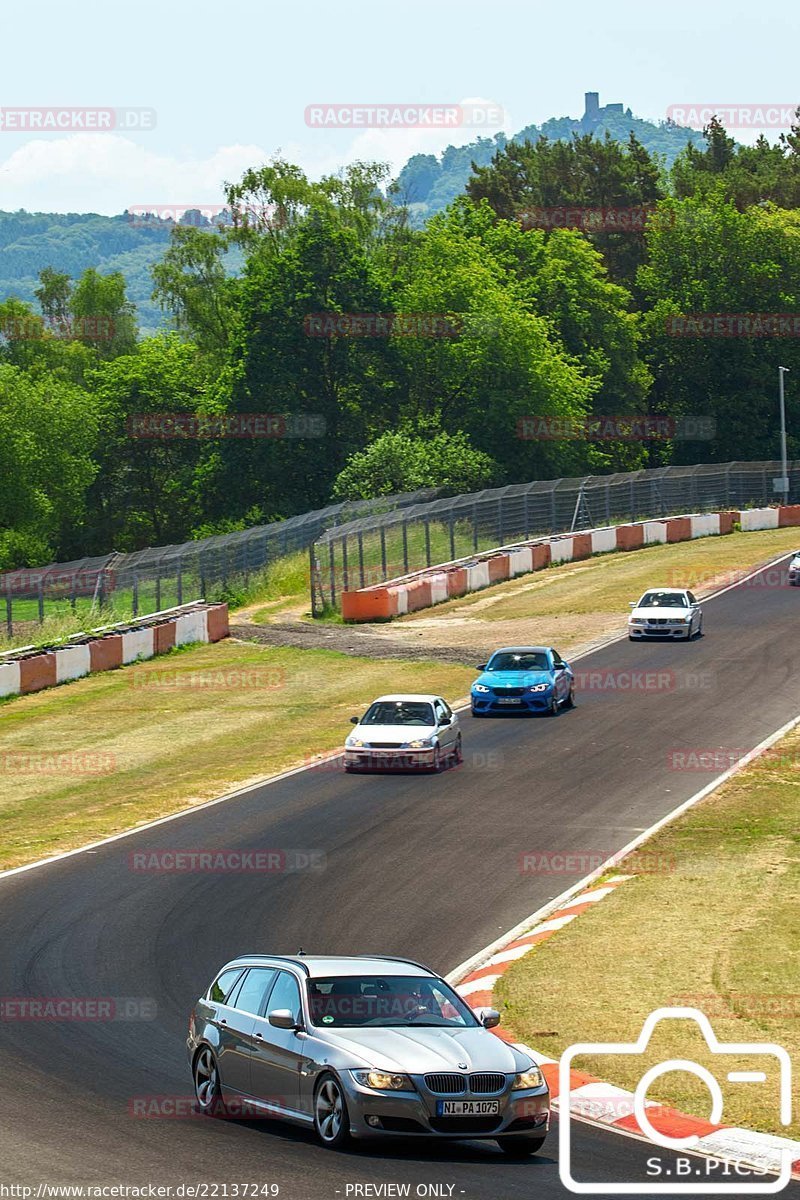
column 107, row 172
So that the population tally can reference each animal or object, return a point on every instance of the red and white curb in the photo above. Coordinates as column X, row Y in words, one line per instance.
column 593, row 1100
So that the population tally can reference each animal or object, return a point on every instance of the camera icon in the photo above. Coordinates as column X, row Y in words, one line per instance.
column 640, row 1104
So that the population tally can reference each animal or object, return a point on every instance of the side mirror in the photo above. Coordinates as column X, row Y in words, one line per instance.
column 445, row 721
column 488, row 1017
column 282, row 1018
column 631, row 604
column 355, row 720
column 481, row 667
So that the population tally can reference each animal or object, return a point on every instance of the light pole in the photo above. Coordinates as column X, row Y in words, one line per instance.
column 784, row 463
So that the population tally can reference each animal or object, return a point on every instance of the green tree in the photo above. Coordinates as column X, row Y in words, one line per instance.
column 102, row 316
column 48, row 431
column 401, row 462
column 706, row 257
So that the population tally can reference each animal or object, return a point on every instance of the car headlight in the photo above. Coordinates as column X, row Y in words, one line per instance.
column 353, row 742
column 532, row 1078
column 419, row 744
column 638, row 621
column 687, row 618
column 539, row 687
column 383, row 1081
column 480, row 687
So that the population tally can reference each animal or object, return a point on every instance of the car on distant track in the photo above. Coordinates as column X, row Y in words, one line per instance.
column 665, row 612
column 360, row 1047
column 404, row 732
column 529, row 679
column 794, row 570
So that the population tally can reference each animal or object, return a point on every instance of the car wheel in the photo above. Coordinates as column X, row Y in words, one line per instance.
column 207, row 1089
column 436, row 765
column 553, row 709
column 458, row 752
column 520, row 1147
column 570, row 700
column 689, row 634
column 331, row 1119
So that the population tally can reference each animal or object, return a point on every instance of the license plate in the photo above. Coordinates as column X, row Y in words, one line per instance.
column 467, row 1108
column 509, row 700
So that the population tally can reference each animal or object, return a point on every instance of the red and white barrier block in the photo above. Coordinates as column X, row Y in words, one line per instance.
column 34, row 670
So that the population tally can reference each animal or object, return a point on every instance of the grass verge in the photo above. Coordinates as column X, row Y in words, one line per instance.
column 155, row 737
column 713, row 926
column 571, row 604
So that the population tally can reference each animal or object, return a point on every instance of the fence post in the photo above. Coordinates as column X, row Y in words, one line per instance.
column 9, row 618
column 475, row 528
column 345, row 580
column 427, row 542
column 361, row 558
column 158, row 591
column 553, row 528
column 452, row 537
column 332, row 566
column 383, row 552
column 180, row 580
column 500, row 513
column 527, row 515
column 135, row 595
column 608, row 503
column 405, row 546
column 40, row 598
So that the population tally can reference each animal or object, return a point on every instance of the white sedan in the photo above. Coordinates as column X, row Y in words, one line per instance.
column 403, row 732
column 665, row 612
column 794, row 570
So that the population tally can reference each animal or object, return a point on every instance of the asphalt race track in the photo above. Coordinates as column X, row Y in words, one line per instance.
column 421, row 866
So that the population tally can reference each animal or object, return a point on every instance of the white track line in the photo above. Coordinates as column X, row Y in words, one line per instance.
column 480, row 959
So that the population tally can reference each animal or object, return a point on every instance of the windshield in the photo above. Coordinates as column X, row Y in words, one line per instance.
column 519, row 660
column 397, row 1000
column 663, row 600
column 399, row 712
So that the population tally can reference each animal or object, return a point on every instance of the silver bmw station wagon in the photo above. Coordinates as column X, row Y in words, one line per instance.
column 361, row 1047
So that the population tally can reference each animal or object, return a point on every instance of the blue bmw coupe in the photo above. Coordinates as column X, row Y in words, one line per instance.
column 529, row 679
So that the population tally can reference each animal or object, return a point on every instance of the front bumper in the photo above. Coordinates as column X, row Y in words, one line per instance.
column 411, row 1114
column 498, row 702
column 670, row 629
column 374, row 759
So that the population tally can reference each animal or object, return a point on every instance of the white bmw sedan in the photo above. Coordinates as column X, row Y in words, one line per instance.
column 403, row 732
column 794, row 570
column 665, row 612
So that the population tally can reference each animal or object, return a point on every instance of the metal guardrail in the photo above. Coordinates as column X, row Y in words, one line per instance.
column 378, row 547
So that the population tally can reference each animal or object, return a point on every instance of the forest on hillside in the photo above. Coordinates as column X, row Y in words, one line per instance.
column 556, row 318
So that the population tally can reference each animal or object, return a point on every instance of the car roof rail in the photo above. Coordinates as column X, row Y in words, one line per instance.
column 399, row 958
column 287, row 958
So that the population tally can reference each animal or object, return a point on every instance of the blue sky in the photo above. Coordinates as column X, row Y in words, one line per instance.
column 230, row 83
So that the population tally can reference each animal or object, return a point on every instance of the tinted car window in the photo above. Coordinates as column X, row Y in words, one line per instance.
column 222, row 987
column 520, row 661
column 395, row 712
column 663, row 600
column 253, row 989
column 387, row 1000
column 286, row 994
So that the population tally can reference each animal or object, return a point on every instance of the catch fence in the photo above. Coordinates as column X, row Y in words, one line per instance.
column 377, row 547
column 149, row 580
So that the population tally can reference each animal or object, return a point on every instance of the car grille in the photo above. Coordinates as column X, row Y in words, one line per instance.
column 384, row 745
column 446, row 1085
column 481, row 1084
column 658, row 621
column 501, row 691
